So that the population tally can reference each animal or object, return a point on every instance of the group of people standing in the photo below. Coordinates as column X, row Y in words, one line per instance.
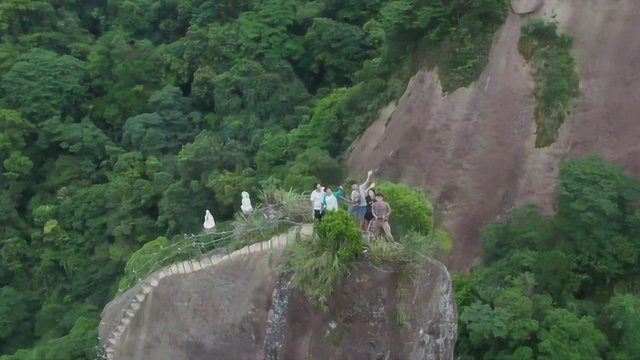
column 372, row 211
column 323, row 199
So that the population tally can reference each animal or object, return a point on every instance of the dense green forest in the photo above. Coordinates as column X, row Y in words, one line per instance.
column 559, row 287
column 122, row 120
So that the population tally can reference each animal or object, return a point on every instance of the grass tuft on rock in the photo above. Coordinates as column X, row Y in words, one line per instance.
column 321, row 262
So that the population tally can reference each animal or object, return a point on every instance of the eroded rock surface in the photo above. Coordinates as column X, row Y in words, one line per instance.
column 246, row 309
column 525, row 7
column 370, row 318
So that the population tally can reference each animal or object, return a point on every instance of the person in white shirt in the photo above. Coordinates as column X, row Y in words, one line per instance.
column 331, row 202
column 317, row 201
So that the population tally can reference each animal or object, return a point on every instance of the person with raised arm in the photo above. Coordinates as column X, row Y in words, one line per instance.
column 370, row 198
column 358, row 199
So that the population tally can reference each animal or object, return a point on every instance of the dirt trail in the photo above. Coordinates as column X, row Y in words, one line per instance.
column 474, row 149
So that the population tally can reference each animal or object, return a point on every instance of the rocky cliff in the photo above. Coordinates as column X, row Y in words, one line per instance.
column 474, row 148
column 242, row 307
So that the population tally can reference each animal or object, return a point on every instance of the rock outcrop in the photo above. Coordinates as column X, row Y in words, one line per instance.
column 244, row 308
column 121, row 318
column 525, row 7
column 368, row 318
column 474, row 148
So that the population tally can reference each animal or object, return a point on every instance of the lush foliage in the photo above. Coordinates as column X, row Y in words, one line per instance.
column 562, row 286
column 122, row 121
column 410, row 212
column 320, row 262
column 408, row 256
column 557, row 83
column 456, row 35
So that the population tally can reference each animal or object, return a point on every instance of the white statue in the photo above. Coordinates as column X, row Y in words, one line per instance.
column 209, row 223
column 246, row 203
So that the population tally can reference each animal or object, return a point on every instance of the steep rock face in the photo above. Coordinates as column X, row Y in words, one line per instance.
column 474, row 148
column 125, row 320
column 244, row 309
column 215, row 313
column 368, row 320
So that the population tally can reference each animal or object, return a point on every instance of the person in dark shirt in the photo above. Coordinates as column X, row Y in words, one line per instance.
column 371, row 198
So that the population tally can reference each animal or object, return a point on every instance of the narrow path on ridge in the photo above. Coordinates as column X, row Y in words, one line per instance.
column 186, row 267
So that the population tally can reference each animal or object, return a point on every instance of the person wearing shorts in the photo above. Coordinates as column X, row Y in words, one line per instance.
column 358, row 200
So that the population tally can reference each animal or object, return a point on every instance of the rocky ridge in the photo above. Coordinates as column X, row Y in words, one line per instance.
column 241, row 306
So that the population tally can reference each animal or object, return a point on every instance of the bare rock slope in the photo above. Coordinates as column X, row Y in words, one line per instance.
column 474, row 148
column 242, row 307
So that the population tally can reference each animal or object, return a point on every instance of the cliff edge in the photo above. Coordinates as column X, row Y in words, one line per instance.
column 243, row 307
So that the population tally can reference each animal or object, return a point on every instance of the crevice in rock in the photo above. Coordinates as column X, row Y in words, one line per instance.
column 277, row 319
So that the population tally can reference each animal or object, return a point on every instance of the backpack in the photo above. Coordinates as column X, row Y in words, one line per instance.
column 324, row 203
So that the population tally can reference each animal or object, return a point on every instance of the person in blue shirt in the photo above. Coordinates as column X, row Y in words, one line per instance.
column 339, row 194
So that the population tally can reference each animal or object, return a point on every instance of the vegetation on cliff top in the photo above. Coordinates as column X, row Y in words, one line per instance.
column 321, row 262
column 557, row 82
column 563, row 286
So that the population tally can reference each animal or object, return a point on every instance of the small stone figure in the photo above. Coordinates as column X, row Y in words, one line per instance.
column 209, row 223
column 246, row 204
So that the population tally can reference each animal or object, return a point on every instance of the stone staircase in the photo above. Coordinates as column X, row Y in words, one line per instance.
column 189, row 266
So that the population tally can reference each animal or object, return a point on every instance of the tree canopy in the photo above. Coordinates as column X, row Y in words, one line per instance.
column 561, row 286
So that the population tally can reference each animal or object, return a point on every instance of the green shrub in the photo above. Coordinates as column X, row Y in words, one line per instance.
column 80, row 343
column 320, row 263
column 315, row 273
column 407, row 256
column 410, row 209
column 338, row 233
column 143, row 262
column 288, row 204
column 254, row 228
column 455, row 36
column 557, row 83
